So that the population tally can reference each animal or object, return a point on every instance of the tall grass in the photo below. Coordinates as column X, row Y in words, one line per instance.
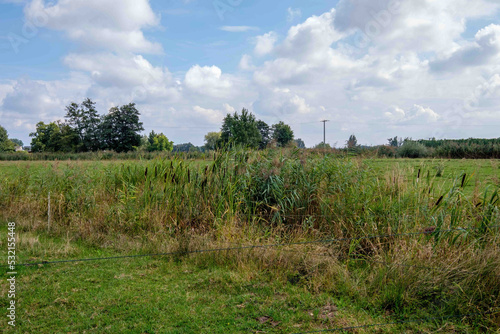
column 279, row 196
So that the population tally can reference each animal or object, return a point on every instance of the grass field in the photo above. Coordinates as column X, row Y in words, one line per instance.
column 101, row 209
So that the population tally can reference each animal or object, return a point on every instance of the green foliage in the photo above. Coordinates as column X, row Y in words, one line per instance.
column 323, row 146
column 6, row 145
column 86, row 122
column 352, row 142
column 159, row 142
column 395, row 142
column 120, row 128
column 54, row 137
column 18, row 142
column 241, row 129
column 211, row 140
column 282, row 133
column 265, row 133
column 300, row 143
column 387, row 151
column 185, row 148
column 411, row 149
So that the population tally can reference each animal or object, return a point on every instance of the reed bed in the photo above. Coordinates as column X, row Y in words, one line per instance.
column 281, row 196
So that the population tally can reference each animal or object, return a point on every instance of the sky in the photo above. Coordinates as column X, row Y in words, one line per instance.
column 373, row 68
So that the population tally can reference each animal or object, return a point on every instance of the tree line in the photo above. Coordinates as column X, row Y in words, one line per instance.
column 85, row 130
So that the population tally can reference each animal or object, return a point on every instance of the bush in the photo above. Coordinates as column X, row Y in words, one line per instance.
column 411, row 149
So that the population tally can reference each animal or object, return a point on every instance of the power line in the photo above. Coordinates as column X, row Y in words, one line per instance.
column 248, row 247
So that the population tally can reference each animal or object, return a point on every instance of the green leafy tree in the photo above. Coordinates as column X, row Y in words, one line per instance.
column 54, row 137
column 159, row 142
column 395, row 142
column 18, row 142
column 265, row 133
column 211, row 140
column 241, row 130
column 6, row 145
column 120, row 128
column 300, row 143
column 85, row 120
column 352, row 142
column 186, row 147
column 282, row 133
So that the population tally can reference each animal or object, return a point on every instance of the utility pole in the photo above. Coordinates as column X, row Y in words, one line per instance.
column 324, row 131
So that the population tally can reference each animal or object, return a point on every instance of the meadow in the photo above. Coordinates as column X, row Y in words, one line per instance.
column 400, row 239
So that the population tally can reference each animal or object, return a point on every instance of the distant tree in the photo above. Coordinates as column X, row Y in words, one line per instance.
column 120, row 128
column 323, row 146
column 211, row 140
column 282, row 133
column 265, row 133
column 6, row 145
column 300, row 143
column 352, row 142
column 240, row 130
column 395, row 142
column 85, row 120
column 18, row 142
column 54, row 137
column 187, row 147
column 159, row 142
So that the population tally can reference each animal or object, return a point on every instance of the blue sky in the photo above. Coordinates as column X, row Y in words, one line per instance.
column 375, row 68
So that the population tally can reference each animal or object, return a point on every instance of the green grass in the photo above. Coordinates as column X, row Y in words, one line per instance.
column 482, row 172
column 161, row 295
column 105, row 208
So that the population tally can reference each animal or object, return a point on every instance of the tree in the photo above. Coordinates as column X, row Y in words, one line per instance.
column 120, row 128
column 265, row 133
column 300, row 143
column 323, row 146
column 352, row 142
column 18, row 142
column 282, row 133
column 159, row 142
column 6, row 145
column 395, row 142
column 241, row 130
column 211, row 140
column 54, row 137
column 187, row 147
column 85, row 120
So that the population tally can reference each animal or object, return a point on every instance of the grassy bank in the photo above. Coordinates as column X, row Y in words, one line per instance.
column 244, row 198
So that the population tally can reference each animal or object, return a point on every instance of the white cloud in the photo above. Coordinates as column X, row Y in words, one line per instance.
column 99, row 23
column 246, row 63
column 211, row 115
column 264, row 44
column 208, row 80
column 484, row 49
column 293, row 14
column 416, row 113
column 238, row 28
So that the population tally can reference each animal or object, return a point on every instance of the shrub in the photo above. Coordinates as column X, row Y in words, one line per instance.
column 411, row 149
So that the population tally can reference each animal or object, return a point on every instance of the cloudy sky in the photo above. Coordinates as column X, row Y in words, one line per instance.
column 374, row 68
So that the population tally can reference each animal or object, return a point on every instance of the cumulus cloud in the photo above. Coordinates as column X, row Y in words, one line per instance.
column 246, row 63
column 264, row 44
column 485, row 48
column 207, row 80
column 99, row 23
column 416, row 113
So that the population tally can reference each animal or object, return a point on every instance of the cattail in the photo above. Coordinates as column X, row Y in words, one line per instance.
column 463, row 180
column 146, row 172
column 439, row 200
column 189, row 177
